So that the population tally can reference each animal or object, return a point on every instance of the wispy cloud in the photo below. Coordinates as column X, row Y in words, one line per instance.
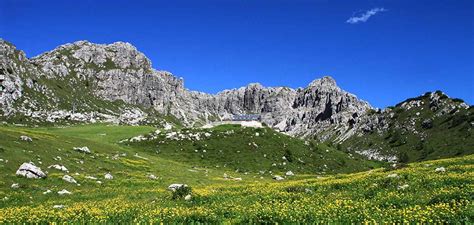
column 361, row 18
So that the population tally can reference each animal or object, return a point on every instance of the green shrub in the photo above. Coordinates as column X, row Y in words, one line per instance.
column 181, row 192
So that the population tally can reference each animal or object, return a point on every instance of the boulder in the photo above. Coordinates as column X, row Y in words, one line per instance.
column 152, row 177
column 58, row 167
column 187, row 197
column 393, row 175
column 91, row 177
column 174, row 187
column 26, row 138
column 276, row 177
column 289, row 173
column 15, row 186
column 29, row 170
column 69, row 179
column 108, row 176
column 64, row 192
column 82, row 149
column 168, row 126
column 440, row 170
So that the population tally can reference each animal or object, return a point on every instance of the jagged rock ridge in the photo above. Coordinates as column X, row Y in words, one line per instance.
column 119, row 72
column 90, row 82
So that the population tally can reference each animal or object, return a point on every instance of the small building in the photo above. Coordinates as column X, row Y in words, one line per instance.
column 246, row 117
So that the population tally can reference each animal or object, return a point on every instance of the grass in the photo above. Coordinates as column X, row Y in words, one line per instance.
column 131, row 197
column 449, row 135
column 253, row 150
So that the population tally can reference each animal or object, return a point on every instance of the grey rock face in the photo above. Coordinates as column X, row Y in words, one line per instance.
column 119, row 72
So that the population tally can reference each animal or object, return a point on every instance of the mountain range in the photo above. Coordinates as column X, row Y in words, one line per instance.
column 85, row 82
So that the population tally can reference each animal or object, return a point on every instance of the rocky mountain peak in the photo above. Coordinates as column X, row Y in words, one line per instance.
column 9, row 50
column 118, row 71
column 324, row 82
column 86, row 59
column 255, row 86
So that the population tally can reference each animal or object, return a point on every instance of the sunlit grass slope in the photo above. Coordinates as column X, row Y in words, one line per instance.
column 415, row 193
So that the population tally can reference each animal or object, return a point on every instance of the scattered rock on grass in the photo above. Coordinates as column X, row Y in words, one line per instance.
column 90, row 177
column 58, row 167
column 58, row 206
column 15, row 186
column 174, row 187
column 29, row 170
column 276, row 177
column 108, row 176
column 26, row 138
column 64, row 192
column 187, row 197
column 289, row 173
column 440, row 170
column 393, row 175
column 69, row 179
column 82, row 149
column 152, row 177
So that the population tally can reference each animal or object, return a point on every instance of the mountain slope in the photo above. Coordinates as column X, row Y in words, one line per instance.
column 251, row 150
column 430, row 126
column 34, row 96
column 78, row 75
column 432, row 191
column 85, row 82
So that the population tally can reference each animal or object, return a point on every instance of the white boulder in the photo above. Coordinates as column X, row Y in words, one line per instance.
column 84, row 149
column 174, row 187
column 91, row 177
column 58, row 206
column 168, row 126
column 393, row 175
column 187, row 197
column 15, row 186
column 64, row 192
column 25, row 138
column 58, row 167
column 69, row 179
column 108, row 176
column 440, row 170
column 289, row 173
column 29, row 170
column 276, row 177
column 152, row 177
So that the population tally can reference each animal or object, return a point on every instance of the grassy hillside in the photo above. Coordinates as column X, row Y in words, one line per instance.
column 252, row 150
column 419, row 130
column 416, row 194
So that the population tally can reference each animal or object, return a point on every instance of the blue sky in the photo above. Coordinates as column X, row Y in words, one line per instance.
column 402, row 50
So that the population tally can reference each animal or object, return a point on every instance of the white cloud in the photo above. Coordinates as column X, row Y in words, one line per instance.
column 365, row 16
